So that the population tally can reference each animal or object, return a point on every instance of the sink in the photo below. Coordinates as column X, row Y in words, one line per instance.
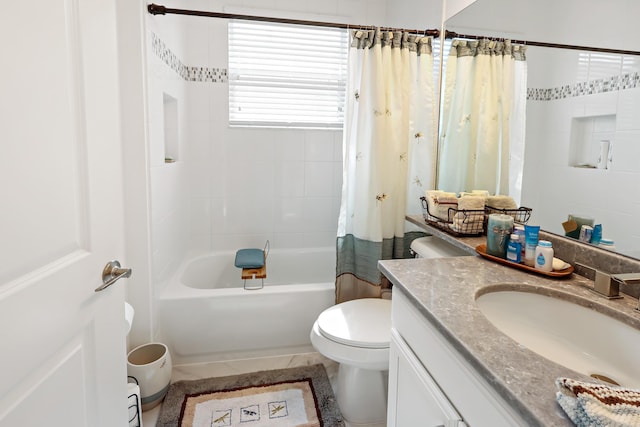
column 567, row 333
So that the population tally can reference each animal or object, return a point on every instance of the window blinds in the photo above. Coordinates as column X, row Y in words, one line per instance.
column 286, row 75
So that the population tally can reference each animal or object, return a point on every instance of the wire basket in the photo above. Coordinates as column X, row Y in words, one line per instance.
column 520, row 215
column 459, row 222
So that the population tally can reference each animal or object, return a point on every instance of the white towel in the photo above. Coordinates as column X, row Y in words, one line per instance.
column 484, row 193
column 590, row 404
column 469, row 222
column 439, row 203
column 471, row 202
column 501, row 202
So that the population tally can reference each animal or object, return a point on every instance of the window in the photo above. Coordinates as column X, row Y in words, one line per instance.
column 286, row 75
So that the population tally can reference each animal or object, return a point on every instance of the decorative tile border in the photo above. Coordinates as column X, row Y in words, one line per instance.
column 220, row 75
column 610, row 84
column 190, row 74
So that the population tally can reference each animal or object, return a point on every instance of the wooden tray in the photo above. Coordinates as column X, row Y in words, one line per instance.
column 482, row 251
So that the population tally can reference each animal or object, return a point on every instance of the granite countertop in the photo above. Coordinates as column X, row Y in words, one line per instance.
column 444, row 290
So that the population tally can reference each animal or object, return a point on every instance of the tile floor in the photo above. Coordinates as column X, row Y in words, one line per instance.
column 219, row 369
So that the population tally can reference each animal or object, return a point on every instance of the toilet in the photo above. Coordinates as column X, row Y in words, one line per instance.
column 356, row 334
column 434, row 247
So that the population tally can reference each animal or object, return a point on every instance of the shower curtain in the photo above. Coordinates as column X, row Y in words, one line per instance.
column 483, row 118
column 388, row 155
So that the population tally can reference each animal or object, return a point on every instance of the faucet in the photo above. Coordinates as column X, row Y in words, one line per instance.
column 627, row 279
column 608, row 285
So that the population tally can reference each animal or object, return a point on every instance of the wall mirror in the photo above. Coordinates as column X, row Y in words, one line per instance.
column 579, row 102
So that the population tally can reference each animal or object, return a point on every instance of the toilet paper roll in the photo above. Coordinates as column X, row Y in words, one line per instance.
column 604, row 154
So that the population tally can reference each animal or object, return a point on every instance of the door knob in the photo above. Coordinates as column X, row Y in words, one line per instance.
column 111, row 273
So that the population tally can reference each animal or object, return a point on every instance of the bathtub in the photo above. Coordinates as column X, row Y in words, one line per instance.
column 206, row 315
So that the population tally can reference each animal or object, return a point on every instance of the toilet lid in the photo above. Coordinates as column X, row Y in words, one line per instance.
column 359, row 323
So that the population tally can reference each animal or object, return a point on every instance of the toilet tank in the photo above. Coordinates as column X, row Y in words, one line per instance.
column 434, row 247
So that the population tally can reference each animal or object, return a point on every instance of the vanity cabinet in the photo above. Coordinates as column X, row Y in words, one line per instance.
column 430, row 383
column 414, row 397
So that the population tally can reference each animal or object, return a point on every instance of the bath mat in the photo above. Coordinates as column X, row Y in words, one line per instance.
column 283, row 397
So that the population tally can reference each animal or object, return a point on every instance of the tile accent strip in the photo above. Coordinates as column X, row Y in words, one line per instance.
column 187, row 73
column 220, row 75
column 610, row 84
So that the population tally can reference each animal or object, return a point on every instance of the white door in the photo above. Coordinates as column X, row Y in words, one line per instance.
column 62, row 345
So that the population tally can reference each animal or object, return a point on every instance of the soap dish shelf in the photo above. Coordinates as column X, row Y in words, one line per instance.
column 482, row 251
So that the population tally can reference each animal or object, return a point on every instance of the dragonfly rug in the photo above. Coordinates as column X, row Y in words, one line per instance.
column 300, row 397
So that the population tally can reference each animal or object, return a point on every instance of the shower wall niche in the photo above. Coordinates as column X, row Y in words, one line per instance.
column 171, row 133
column 591, row 141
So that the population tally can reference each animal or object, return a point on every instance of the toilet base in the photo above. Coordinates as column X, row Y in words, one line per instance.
column 362, row 394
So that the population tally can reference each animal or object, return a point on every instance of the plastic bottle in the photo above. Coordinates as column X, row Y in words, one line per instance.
column 514, row 249
column 518, row 229
column 544, row 256
column 596, row 236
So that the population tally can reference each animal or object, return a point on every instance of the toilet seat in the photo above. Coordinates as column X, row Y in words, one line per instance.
column 364, row 323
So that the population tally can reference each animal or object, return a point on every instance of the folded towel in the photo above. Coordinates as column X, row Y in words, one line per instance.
column 471, row 202
column 468, row 223
column 501, row 202
column 590, row 404
column 439, row 203
column 465, row 221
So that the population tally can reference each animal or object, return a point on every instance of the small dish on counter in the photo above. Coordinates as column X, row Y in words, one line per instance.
column 482, row 251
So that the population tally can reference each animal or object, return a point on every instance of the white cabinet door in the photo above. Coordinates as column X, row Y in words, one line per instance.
column 63, row 355
column 414, row 397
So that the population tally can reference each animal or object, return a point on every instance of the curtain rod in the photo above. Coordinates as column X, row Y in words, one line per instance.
column 156, row 9
column 452, row 34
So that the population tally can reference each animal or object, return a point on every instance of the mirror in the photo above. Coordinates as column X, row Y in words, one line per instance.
column 585, row 103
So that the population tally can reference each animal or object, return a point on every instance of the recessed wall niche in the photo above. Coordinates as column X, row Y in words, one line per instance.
column 171, row 138
column 592, row 141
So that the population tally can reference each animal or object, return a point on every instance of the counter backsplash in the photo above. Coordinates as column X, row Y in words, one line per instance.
column 569, row 250
column 575, row 253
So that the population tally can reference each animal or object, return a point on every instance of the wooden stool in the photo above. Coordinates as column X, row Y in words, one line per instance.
column 254, row 273
column 253, row 263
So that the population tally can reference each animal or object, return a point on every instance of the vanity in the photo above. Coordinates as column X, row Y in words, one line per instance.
column 451, row 366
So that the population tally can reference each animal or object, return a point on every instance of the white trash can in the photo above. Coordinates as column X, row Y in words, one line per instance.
column 150, row 365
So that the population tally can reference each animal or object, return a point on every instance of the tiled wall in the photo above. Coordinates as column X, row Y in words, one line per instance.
column 566, row 86
column 591, row 87
column 234, row 187
column 168, row 181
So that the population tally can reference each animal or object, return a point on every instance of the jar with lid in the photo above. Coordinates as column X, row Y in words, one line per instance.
column 544, row 256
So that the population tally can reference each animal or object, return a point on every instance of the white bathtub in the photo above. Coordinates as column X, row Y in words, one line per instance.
column 206, row 315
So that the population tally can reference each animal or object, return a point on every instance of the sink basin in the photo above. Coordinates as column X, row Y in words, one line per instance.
column 567, row 333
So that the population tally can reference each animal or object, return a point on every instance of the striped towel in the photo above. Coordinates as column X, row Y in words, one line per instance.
column 439, row 203
column 598, row 404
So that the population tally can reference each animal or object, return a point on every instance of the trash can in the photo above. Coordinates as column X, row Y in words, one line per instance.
column 150, row 366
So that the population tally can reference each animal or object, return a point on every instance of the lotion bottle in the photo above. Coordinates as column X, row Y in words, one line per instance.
column 514, row 249
column 544, row 256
